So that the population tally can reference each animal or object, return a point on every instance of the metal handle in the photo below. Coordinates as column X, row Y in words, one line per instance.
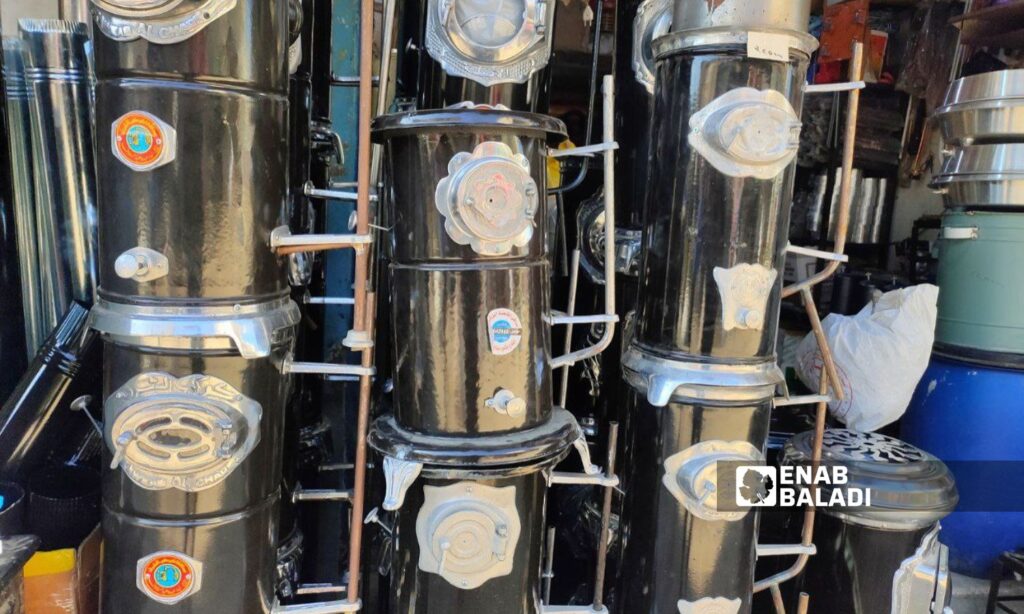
column 965, row 233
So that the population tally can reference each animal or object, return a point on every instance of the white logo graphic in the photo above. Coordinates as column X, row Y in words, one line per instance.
column 757, row 486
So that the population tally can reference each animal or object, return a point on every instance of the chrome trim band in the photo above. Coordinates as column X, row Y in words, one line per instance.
column 251, row 330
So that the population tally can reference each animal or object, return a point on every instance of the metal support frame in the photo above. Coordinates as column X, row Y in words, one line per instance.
column 608, row 147
column 609, row 481
column 829, row 373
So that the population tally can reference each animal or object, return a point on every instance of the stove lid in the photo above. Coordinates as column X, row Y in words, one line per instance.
column 909, row 487
column 467, row 117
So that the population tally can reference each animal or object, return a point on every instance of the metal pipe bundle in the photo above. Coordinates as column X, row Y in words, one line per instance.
column 728, row 94
column 22, row 120
column 59, row 69
column 193, row 304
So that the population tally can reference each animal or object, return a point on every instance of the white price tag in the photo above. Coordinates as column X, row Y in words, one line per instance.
column 768, row 46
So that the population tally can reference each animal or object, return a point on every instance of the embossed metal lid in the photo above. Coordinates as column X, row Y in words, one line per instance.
column 469, row 118
column 910, row 488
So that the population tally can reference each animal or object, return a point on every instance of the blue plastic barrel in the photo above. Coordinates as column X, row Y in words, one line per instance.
column 967, row 412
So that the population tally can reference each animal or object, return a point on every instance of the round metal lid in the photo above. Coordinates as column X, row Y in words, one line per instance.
column 464, row 118
column 996, row 86
column 910, row 488
column 543, row 444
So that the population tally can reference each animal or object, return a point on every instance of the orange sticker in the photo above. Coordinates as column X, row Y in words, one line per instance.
column 168, row 577
column 140, row 140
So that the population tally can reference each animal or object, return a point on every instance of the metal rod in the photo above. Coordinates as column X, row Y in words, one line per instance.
column 804, row 603
column 606, row 513
column 549, row 567
column 321, row 495
column 807, row 533
column 330, row 607
column 780, row 607
column 609, row 235
column 326, row 368
column 764, row 550
column 846, row 189
column 574, row 280
column 358, row 510
column 327, row 300
column 570, row 320
column 828, row 361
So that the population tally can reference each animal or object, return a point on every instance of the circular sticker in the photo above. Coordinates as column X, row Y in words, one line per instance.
column 140, row 140
column 168, row 577
column 505, row 330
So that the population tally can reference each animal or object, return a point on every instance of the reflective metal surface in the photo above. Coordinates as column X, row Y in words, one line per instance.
column 458, row 51
column 783, row 15
column 223, row 193
column 707, row 220
column 254, row 479
column 910, row 488
column 984, row 108
column 670, row 554
column 515, row 589
column 467, row 299
column 21, row 123
column 237, row 573
column 192, row 110
column 981, row 176
column 59, row 68
column 38, row 414
column 978, row 252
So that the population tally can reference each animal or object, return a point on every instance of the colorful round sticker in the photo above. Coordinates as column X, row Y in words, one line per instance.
column 168, row 577
column 142, row 141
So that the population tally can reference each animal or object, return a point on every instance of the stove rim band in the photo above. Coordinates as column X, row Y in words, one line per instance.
column 494, row 454
column 663, row 381
column 251, row 330
column 681, row 41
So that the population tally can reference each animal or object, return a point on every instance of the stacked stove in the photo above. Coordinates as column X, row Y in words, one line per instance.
column 728, row 89
column 470, row 447
column 194, row 307
column 976, row 376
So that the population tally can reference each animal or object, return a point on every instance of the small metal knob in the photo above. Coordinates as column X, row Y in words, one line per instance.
column 506, row 402
column 751, row 319
column 128, row 265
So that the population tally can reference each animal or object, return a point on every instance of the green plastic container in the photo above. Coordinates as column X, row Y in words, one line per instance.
column 981, row 278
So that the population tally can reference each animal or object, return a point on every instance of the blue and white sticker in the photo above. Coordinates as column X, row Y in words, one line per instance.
column 505, row 330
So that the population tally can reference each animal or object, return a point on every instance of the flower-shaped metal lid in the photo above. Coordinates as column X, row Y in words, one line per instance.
column 490, row 42
column 489, row 199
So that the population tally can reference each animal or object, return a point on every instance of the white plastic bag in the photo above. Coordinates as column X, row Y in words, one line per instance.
column 881, row 354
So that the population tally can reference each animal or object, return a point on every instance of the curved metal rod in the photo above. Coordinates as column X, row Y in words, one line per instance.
column 846, row 189
column 807, row 534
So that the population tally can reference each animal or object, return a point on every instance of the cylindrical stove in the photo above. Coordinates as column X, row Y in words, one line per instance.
column 470, row 272
column 728, row 91
column 194, row 304
column 469, row 451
